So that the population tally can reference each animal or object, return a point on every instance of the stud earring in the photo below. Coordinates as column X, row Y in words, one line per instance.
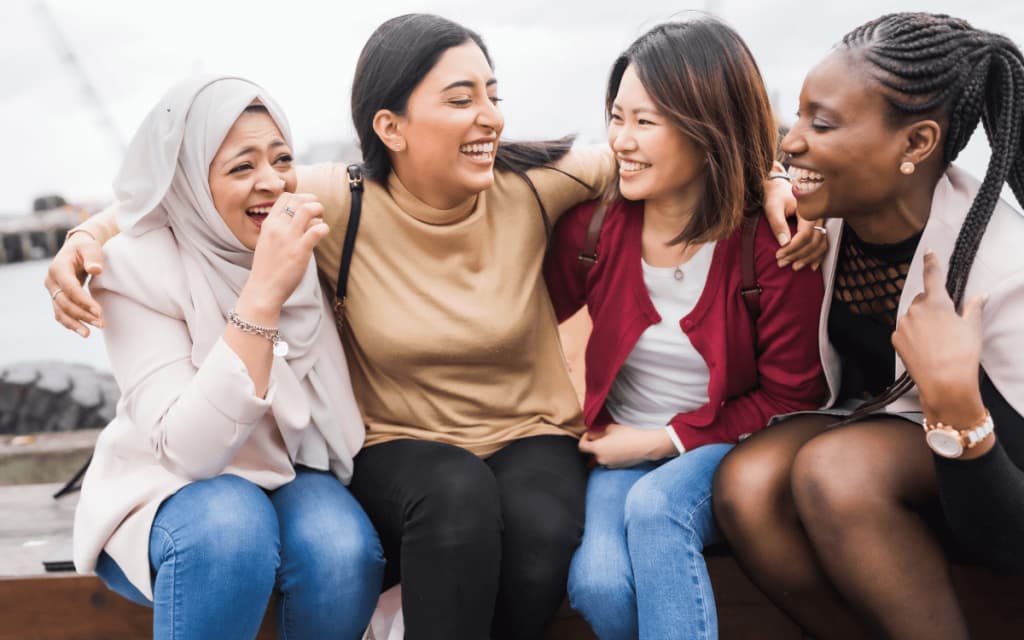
column 907, row 168
column 398, row 146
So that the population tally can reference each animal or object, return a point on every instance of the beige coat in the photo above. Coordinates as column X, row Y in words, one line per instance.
column 177, row 423
column 998, row 272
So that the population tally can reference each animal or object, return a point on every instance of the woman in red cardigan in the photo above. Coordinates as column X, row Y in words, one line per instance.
column 677, row 368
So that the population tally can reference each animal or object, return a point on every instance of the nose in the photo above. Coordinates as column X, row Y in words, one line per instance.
column 621, row 139
column 794, row 143
column 269, row 180
column 490, row 117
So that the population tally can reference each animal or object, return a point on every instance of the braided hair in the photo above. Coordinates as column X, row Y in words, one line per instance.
column 932, row 65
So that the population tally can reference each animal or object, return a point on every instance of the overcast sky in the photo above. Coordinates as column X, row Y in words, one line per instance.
column 551, row 60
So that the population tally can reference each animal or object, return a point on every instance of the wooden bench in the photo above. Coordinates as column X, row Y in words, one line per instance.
column 35, row 528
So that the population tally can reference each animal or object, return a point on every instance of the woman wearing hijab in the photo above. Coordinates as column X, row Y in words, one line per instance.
column 222, row 478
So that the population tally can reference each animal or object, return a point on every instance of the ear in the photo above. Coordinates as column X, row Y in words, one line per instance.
column 388, row 127
column 922, row 140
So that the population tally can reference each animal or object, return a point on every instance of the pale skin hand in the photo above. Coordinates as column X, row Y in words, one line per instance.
column 80, row 257
column 808, row 246
column 620, row 446
column 281, row 258
column 942, row 352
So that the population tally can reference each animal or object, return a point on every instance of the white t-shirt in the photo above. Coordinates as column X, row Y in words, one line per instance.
column 664, row 374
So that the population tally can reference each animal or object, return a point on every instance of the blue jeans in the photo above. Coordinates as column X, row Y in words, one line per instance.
column 640, row 572
column 219, row 548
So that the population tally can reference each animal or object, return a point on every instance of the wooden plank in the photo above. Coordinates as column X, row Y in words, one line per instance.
column 74, row 607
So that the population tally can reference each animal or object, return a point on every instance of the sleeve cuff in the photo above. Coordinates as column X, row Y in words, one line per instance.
column 226, row 384
column 675, row 439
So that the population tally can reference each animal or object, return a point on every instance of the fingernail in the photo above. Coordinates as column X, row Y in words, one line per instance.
column 783, row 239
column 81, row 332
column 798, row 266
column 814, row 267
column 928, row 252
column 783, row 263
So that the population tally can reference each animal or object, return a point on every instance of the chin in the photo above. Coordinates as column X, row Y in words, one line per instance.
column 479, row 182
column 630, row 192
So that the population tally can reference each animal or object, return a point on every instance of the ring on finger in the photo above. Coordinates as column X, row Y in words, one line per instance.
column 55, row 293
column 823, row 230
column 289, row 212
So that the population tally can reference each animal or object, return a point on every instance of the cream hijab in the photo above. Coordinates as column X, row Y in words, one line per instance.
column 164, row 182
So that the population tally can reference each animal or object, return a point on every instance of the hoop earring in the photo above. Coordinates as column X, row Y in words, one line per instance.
column 907, row 168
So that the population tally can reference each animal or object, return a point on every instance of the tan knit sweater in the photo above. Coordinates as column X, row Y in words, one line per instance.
column 448, row 329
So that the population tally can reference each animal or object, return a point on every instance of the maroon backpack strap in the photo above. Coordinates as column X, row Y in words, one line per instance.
column 588, row 255
column 749, row 289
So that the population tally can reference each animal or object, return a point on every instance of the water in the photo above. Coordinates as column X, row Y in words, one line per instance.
column 27, row 328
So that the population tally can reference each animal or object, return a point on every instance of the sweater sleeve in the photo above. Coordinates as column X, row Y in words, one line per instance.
column 196, row 418
column 789, row 373
column 983, row 498
column 562, row 268
column 583, row 174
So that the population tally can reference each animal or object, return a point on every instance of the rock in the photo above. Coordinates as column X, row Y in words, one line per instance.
column 54, row 396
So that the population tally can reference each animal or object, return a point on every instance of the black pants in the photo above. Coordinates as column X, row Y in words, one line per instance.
column 482, row 547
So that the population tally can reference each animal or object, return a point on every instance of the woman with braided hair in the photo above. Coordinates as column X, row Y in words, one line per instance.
column 846, row 522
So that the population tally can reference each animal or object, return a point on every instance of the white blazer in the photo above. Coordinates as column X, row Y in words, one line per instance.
column 998, row 271
column 177, row 423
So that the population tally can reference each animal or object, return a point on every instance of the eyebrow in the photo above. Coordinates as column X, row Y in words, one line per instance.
column 251, row 149
column 644, row 109
column 469, row 84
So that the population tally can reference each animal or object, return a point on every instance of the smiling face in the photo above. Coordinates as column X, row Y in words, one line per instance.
column 251, row 169
column 656, row 159
column 845, row 154
column 448, row 134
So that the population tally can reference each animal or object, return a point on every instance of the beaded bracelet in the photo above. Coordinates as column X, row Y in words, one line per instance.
column 270, row 333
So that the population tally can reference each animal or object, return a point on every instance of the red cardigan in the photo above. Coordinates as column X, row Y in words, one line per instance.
column 748, row 383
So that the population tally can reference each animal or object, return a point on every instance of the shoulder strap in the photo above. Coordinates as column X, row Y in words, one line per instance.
column 355, row 186
column 749, row 289
column 588, row 254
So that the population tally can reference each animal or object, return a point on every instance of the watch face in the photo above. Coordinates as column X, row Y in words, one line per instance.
column 944, row 443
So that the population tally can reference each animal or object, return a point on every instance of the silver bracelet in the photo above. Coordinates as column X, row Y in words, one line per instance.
column 270, row 333
column 775, row 175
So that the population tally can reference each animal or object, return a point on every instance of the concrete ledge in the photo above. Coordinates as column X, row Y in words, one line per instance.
column 44, row 457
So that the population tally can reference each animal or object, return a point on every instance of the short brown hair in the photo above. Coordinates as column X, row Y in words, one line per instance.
column 704, row 80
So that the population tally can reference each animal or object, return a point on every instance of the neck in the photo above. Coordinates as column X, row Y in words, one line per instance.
column 896, row 221
column 665, row 218
column 429, row 194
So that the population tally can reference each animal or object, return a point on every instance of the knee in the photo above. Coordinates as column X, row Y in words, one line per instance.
column 206, row 524
column 459, row 505
column 750, row 489
column 828, row 487
column 599, row 576
column 337, row 559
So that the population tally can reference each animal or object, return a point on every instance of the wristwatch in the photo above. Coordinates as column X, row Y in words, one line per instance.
column 950, row 442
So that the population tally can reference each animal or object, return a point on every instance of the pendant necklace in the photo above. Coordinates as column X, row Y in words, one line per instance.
column 678, row 273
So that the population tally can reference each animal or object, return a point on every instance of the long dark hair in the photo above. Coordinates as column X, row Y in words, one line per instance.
column 704, row 80
column 392, row 64
column 937, row 66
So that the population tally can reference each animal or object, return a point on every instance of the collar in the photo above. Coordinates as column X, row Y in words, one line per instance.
column 422, row 211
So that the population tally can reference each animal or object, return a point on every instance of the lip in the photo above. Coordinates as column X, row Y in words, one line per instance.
column 804, row 186
column 480, row 159
column 626, row 172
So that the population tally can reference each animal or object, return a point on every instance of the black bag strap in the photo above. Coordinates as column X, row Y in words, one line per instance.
column 355, row 186
column 750, row 290
column 588, row 254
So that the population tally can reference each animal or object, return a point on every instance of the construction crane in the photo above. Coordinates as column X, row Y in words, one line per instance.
column 87, row 87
